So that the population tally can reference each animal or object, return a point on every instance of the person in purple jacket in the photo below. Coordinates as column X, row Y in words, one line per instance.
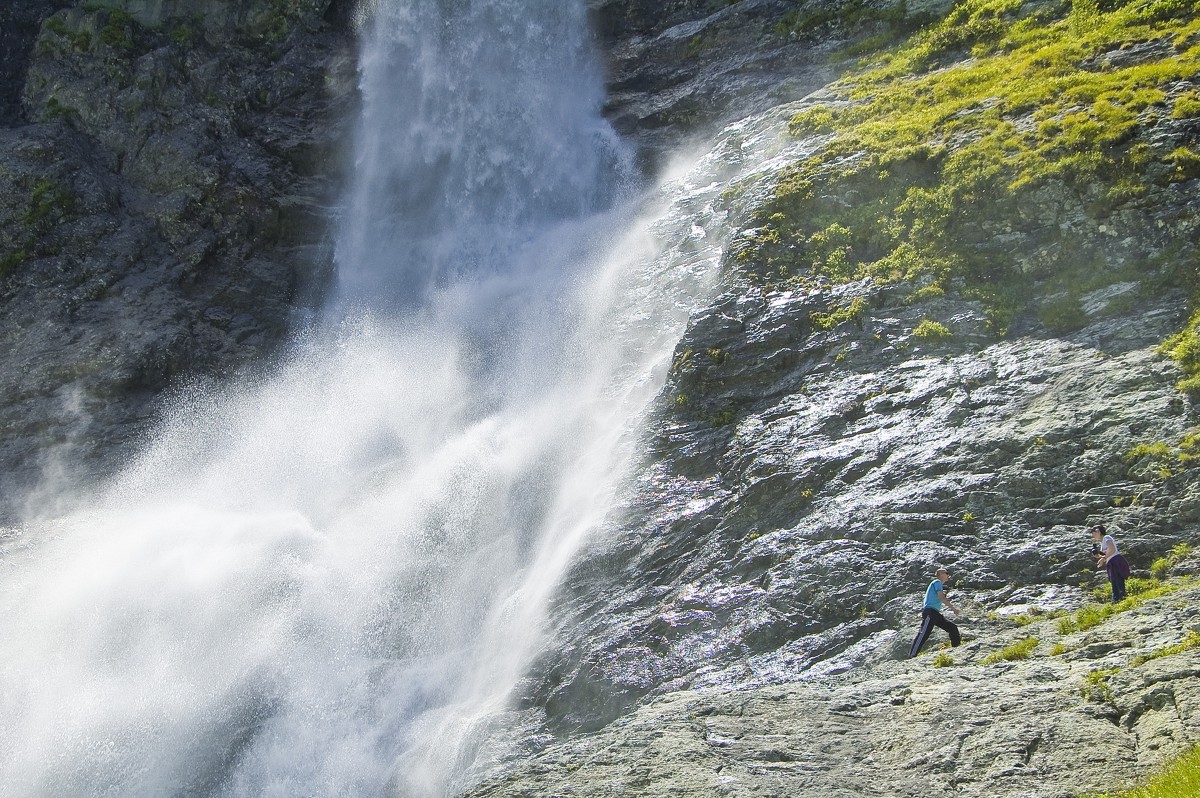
column 1111, row 560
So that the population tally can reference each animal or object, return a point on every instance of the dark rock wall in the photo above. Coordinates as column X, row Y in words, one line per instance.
column 679, row 68
column 166, row 167
column 163, row 214
column 19, row 24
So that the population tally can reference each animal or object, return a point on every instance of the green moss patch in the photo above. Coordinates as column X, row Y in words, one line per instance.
column 945, row 145
column 79, row 39
column 116, row 26
column 11, row 261
column 48, row 204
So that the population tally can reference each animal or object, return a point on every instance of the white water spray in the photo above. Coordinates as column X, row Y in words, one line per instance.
column 326, row 583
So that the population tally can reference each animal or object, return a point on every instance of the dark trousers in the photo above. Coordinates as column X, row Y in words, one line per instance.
column 929, row 619
column 1118, row 569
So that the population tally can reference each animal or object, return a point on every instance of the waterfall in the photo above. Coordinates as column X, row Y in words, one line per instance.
column 327, row 581
column 481, row 127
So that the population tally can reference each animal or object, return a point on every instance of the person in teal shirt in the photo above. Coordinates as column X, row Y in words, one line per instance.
column 931, row 614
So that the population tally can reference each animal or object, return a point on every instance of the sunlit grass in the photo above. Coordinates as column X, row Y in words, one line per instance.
column 1019, row 650
column 939, row 142
column 1190, row 642
column 1090, row 616
column 1178, row 779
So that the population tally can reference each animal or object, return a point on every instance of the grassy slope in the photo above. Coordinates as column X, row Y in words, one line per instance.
column 1180, row 779
column 982, row 125
column 1176, row 779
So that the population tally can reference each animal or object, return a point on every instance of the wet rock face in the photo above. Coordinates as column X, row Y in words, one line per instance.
column 822, row 448
column 679, row 67
column 162, row 217
column 806, row 481
column 685, row 67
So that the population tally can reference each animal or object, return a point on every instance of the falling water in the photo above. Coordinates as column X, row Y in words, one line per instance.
column 480, row 129
column 327, row 582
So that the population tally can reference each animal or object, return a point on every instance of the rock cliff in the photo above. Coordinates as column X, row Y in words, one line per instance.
column 164, row 186
column 940, row 340
column 678, row 68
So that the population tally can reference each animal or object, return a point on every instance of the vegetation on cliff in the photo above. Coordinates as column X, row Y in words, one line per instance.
column 995, row 150
column 1180, row 779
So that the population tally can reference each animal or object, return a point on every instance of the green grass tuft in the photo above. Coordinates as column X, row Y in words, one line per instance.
column 1178, row 779
column 1096, row 687
column 930, row 330
column 852, row 312
column 1162, row 567
column 1019, row 650
column 1090, row 616
column 1184, row 349
column 1190, row 642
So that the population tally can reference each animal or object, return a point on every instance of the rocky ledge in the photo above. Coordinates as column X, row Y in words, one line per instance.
column 811, row 471
column 1070, row 713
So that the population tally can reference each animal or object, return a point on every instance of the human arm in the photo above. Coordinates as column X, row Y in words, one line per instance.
column 946, row 601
